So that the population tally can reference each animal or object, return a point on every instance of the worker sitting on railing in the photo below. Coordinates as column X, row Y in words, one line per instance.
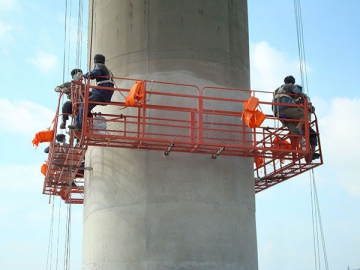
column 103, row 77
column 291, row 93
column 65, row 88
column 288, row 93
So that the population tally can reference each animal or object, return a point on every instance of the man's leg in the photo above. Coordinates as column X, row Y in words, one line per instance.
column 79, row 117
column 93, row 98
column 66, row 111
column 313, row 143
column 294, row 113
column 292, row 127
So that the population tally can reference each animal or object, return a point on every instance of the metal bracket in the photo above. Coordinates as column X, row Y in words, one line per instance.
column 167, row 151
column 218, row 153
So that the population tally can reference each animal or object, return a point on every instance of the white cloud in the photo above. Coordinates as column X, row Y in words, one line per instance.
column 6, row 37
column 10, row 5
column 46, row 62
column 26, row 175
column 339, row 126
column 24, row 117
column 269, row 66
column 5, row 30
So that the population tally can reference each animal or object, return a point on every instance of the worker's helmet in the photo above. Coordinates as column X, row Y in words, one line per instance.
column 60, row 137
column 99, row 58
column 75, row 71
column 289, row 79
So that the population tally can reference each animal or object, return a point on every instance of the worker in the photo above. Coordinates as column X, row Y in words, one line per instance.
column 103, row 77
column 291, row 93
column 65, row 88
column 60, row 140
column 288, row 93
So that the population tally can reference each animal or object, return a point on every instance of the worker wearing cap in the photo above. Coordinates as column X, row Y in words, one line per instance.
column 103, row 77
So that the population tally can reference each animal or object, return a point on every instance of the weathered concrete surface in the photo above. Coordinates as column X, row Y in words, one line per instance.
column 185, row 211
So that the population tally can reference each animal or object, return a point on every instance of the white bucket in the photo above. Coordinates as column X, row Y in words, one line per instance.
column 99, row 124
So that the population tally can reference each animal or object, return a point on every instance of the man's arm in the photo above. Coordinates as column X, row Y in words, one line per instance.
column 94, row 73
column 62, row 88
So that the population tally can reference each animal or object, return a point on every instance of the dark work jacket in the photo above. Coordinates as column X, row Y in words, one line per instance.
column 97, row 73
column 285, row 94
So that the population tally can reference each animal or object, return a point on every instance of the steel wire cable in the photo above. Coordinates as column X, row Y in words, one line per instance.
column 316, row 214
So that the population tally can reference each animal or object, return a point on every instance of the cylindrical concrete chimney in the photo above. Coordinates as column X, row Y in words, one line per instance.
column 185, row 211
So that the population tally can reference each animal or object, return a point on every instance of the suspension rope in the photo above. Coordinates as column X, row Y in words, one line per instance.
column 301, row 45
column 69, row 39
column 79, row 35
column 317, row 225
column 68, row 239
column 314, row 227
column 65, row 37
column 50, row 244
column 66, row 62
column 91, row 33
column 49, row 255
column 65, row 51
column 315, row 208
column 58, row 236
column 67, row 248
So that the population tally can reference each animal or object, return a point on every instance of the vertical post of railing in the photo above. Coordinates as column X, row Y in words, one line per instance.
column 192, row 126
column 318, row 137
column 85, row 102
column 140, row 123
column 306, row 123
column 125, row 123
column 244, row 128
column 143, row 111
column 200, row 115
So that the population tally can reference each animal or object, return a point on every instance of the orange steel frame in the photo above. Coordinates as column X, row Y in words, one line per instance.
column 183, row 118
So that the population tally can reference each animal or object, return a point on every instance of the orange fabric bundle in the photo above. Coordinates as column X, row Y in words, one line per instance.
column 43, row 136
column 253, row 118
column 44, row 169
column 137, row 92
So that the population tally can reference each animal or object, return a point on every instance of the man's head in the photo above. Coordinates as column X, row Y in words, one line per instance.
column 60, row 138
column 289, row 79
column 99, row 58
column 75, row 71
column 74, row 74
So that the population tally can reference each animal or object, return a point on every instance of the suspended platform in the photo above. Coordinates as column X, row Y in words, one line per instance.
column 172, row 118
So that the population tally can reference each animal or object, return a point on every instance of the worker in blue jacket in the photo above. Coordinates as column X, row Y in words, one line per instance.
column 103, row 77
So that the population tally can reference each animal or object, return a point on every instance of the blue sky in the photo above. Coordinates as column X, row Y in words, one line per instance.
column 32, row 53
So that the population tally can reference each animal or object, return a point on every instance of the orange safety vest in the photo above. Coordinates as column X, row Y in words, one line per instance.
column 137, row 92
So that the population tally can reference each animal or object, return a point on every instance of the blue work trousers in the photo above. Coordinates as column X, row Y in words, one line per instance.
column 79, row 118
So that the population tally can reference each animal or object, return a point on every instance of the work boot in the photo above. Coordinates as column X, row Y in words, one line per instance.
column 63, row 125
column 75, row 127
column 298, row 131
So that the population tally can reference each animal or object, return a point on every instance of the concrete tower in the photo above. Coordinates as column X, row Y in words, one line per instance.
column 185, row 211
